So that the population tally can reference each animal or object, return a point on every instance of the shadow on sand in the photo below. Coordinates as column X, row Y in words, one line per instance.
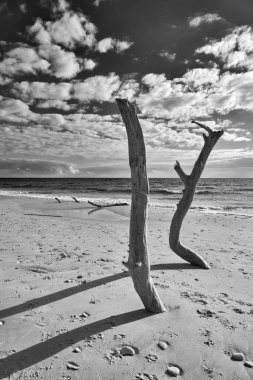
column 41, row 351
column 41, row 301
column 44, row 350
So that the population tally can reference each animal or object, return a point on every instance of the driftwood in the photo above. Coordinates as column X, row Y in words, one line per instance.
column 190, row 183
column 138, row 260
column 108, row 205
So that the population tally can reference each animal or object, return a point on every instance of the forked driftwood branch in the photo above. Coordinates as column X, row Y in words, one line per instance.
column 190, row 183
column 138, row 260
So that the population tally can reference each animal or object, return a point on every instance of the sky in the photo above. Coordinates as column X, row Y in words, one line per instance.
column 63, row 64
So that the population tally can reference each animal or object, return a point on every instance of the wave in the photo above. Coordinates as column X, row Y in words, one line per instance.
column 204, row 192
column 207, row 187
column 165, row 191
column 226, row 209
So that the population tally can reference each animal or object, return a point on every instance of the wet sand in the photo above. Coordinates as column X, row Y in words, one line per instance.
column 68, row 306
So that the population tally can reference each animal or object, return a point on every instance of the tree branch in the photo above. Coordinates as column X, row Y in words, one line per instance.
column 208, row 129
column 180, row 172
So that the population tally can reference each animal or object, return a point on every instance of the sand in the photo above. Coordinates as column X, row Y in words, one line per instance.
column 68, row 305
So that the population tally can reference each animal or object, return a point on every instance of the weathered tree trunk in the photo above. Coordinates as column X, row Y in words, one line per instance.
column 190, row 183
column 138, row 260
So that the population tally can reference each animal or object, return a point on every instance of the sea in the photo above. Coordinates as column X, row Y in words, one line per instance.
column 213, row 195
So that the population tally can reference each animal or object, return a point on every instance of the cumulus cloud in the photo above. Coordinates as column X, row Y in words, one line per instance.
column 38, row 32
column 28, row 91
column 169, row 98
column 71, row 30
column 200, row 77
column 168, row 134
column 68, row 31
column 207, row 18
column 63, row 64
column 45, row 104
column 121, row 46
column 60, row 6
column 235, row 50
column 15, row 111
column 128, row 89
column 233, row 92
column 22, row 60
column 109, row 43
column 99, row 88
column 199, row 93
column 89, row 64
column 168, row 55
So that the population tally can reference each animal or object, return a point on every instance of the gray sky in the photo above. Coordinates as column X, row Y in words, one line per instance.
column 63, row 63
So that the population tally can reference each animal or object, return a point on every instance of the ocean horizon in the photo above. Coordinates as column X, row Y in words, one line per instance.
column 227, row 195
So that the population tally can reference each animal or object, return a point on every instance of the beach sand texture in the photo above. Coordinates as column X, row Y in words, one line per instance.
column 68, row 305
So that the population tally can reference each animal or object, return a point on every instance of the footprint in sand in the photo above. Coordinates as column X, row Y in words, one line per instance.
column 205, row 313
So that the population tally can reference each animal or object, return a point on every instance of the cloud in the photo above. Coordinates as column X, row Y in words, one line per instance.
column 89, row 64
column 37, row 167
column 15, row 111
column 233, row 92
column 22, row 7
column 201, row 77
column 109, row 43
column 128, row 89
column 121, row 46
column 63, row 64
column 96, row 3
column 228, row 136
column 60, row 6
column 200, row 93
column 235, row 50
column 71, row 30
column 4, row 80
column 28, row 91
column 168, row 55
column 170, row 99
column 45, row 104
column 22, row 60
column 99, row 88
column 57, row 135
column 207, row 18
column 38, row 32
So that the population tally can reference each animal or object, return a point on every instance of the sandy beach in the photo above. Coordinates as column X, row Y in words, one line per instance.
column 68, row 305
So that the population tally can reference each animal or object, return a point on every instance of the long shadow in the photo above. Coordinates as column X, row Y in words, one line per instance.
column 174, row 266
column 41, row 301
column 41, row 351
column 37, row 302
